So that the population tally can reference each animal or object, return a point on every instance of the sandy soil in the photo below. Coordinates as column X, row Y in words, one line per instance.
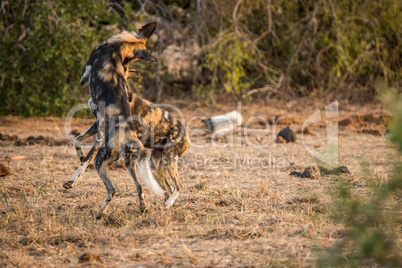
column 240, row 206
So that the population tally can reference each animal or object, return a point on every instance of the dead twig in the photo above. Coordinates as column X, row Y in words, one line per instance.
column 236, row 24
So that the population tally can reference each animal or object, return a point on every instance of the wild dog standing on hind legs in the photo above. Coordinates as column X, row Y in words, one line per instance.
column 157, row 128
column 116, row 132
column 166, row 136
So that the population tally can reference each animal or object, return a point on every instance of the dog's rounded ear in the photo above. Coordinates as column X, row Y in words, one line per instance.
column 146, row 31
column 144, row 55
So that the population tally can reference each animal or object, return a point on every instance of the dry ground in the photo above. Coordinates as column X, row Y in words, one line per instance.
column 240, row 206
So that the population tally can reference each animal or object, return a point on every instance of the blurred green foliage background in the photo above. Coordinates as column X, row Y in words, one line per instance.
column 274, row 48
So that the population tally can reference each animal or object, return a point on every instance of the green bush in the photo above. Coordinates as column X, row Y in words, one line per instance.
column 288, row 48
column 225, row 61
column 301, row 48
column 44, row 46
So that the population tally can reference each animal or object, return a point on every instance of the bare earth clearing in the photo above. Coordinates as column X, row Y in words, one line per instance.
column 240, row 206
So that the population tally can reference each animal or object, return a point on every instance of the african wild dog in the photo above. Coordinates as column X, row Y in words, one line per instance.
column 156, row 128
column 116, row 131
column 92, row 130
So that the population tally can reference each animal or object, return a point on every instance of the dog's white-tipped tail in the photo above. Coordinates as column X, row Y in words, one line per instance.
column 145, row 173
column 223, row 123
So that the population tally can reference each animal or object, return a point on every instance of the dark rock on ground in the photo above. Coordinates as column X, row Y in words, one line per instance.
column 287, row 134
column 315, row 172
column 4, row 170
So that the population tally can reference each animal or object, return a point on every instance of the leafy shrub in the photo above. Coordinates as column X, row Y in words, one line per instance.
column 224, row 66
column 44, row 47
column 300, row 48
column 289, row 48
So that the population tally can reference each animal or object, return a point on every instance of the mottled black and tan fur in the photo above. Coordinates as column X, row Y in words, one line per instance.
column 151, row 127
column 159, row 131
column 116, row 132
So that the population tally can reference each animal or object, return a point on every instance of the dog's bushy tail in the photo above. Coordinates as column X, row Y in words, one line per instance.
column 145, row 173
column 221, row 123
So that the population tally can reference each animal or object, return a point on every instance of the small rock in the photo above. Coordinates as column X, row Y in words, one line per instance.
column 307, row 131
column 89, row 257
column 319, row 145
column 91, row 166
column 4, row 170
column 334, row 171
column 283, row 120
column 321, row 208
column 341, row 169
column 315, row 172
column 41, row 140
column 296, row 173
column 370, row 118
column 259, row 122
column 279, row 139
column 287, row 134
column 347, row 122
column 312, row 172
column 375, row 132
column 5, row 137
column 221, row 203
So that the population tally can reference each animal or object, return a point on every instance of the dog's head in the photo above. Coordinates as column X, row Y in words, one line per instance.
column 132, row 45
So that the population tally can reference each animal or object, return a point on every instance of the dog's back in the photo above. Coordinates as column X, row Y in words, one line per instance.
column 153, row 123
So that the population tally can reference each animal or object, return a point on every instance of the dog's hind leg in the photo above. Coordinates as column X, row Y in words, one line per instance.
column 103, row 159
column 174, row 174
column 177, row 143
column 133, row 144
column 131, row 166
column 160, row 172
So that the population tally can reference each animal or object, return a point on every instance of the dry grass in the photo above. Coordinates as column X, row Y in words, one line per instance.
column 238, row 216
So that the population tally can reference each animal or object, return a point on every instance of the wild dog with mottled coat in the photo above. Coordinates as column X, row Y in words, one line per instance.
column 156, row 128
column 117, row 133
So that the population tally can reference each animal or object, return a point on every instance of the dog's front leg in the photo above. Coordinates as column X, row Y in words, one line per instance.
column 85, row 160
column 82, row 167
column 92, row 130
